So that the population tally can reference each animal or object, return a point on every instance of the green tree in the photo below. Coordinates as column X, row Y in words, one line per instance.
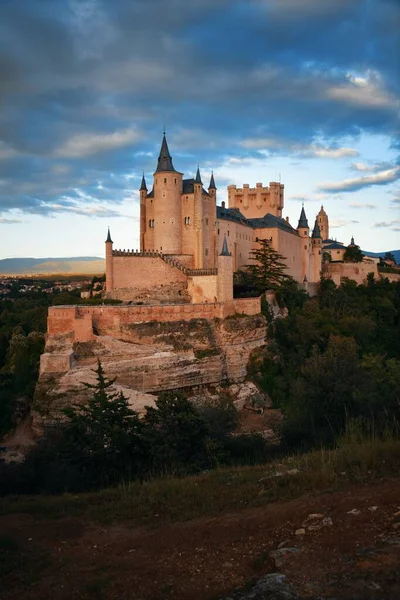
column 177, row 436
column 269, row 270
column 104, row 435
column 389, row 256
column 353, row 254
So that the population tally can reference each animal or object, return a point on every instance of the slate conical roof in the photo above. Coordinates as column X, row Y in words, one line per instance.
column 143, row 185
column 225, row 249
column 109, row 237
column 164, row 159
column 316, row 232
column 212, row 183
column 198, row 177
column 303, row 219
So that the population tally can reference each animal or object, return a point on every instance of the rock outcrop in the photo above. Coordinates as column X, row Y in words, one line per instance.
column 146, row 358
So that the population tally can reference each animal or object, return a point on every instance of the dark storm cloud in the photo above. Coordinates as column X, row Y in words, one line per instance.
column 86, row 84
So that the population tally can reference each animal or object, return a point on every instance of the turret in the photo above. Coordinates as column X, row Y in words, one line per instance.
column 143, row 212
column 199, row 223
column 304, row 232
column 225, row 278
column 302, row 226
column 167, row 211
column 109, row 263
column 316, row 241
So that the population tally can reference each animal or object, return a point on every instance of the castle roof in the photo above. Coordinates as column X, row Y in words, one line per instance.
column 109, row 237
column 212, row 183
column 198, row 177
column 269, row 221
column 164, row 159
column 334, row 246
column 225, row 249
column 322, row 212
column 188, row 187
column 303, row 219
column 232, row 214
column 316, row 231
column 143, row 185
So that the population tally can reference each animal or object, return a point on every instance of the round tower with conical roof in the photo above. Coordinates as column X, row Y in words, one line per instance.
column 109, row 263
column 304, row 232
column 316, row 242
column 167, row 192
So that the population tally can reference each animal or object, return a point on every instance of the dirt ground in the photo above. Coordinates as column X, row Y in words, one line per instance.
column 350, row 550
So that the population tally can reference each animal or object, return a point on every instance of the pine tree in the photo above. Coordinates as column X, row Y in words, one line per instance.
column 105, row 431
column 269, row 272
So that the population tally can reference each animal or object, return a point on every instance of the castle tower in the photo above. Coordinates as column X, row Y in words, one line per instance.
column 143, row 215
column 304, row 232
column 198, row 221
column 109, row 263
column 225, row 277
column 323, row 224
column 316, row 241
column 212, row 200
column 167, row 204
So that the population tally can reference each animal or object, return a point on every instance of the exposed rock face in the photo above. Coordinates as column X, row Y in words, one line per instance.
column 147, row 358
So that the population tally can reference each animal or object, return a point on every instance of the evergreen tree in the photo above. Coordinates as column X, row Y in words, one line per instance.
column 105, row 432
column 353, row 254
column 269, row 272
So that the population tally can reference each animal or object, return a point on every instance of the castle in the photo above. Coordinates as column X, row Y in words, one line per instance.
column 190, row 247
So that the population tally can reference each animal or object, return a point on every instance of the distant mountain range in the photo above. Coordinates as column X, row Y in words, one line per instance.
column 396, row 254
column 80, row 265
column 83, row 265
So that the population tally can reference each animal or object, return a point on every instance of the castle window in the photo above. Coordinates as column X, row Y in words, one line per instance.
column 206, row 251
column 206, row 221
column 165, row 180
column 218, row 231
column 228, row 233
column 305, row 247
column 174, row 180
column 305, row 233
column 187, row 220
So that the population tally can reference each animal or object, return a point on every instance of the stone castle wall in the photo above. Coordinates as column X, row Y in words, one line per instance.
column 358, row 272
column 143, row 272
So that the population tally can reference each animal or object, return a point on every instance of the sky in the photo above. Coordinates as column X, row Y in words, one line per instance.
column 301, row 91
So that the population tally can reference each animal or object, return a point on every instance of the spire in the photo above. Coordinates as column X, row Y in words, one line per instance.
column 225, row 249
column 143, row 185
column 198, row 177
column 212, row 182
column 109, row 237
column 303, row 219
column 352, row 241
column 164, row 160
column 316, row 232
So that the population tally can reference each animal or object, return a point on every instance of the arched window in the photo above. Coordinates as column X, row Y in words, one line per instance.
column 165, row 180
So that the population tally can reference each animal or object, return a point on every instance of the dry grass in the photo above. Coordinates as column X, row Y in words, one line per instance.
column 359, row 456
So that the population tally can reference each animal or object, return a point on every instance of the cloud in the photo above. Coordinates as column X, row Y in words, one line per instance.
column 372, row 167
column 85, row 144
column 83, row 90
column 337, row 223
column 393, row 225
column 358, row 183
column 361, row 205
column 364, row 91
column 283, row 146
column 9, row 221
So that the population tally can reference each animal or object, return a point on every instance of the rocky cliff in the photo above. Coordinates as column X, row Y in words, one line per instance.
column 147, row 358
